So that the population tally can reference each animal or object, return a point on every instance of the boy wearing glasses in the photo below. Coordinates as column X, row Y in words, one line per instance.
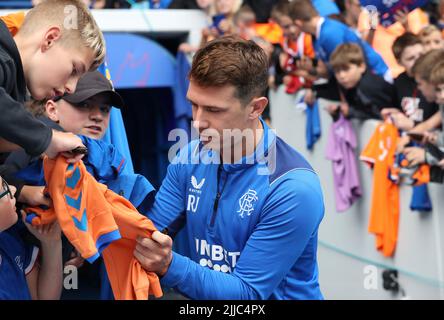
column 21, row 276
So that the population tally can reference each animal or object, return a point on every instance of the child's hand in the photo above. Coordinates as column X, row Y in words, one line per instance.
column 46, row 234
column 272, row 82
column 401, row 16
column 305, row 63
column 402, row 122
column 310, row 97
column 430, row 137
column 186, row 48
column 76, row 260
column 286, row 80
column 402, row 142
column 64, row 142
column 224, row 26
column 387, row 112
column 345, row 109
column 441, row 164
column 332, row 108
column 34, row 196
column 414, row 156
column 206, row 32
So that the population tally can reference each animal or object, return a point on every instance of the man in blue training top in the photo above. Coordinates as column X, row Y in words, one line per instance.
column 251, row 205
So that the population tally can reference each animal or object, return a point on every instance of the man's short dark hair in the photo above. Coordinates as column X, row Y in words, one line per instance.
column 231, row 60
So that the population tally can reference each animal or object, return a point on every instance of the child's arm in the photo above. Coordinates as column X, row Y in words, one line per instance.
column 45, row 280
column 20, row 127
column 430, row 124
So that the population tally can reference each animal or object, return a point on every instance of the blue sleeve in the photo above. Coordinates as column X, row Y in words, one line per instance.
column 168, row 210
column 289, row 219
column 333, row 36
column 329, row 41
column 374, row 60
column 107, row 162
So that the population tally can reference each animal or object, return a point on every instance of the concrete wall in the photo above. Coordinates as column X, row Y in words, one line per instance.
column 346, row 247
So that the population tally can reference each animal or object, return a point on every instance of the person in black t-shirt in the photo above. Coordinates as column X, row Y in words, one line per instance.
column 416, row 108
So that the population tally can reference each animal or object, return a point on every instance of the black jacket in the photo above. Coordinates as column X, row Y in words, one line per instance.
column 366, row 100
column 18, row 160
column 17, row 125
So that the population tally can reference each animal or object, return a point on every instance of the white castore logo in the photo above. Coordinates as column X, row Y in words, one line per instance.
column 246, row 203
column 195, row 184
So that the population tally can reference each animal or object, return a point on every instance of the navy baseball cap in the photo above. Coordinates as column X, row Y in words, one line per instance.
column 91, row 84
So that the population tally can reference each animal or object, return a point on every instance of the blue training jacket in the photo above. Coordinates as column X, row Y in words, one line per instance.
column 334, row 33
column 252, row 226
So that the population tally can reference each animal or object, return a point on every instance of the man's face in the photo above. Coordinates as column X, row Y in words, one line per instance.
column 349, row 76
column 427, row 89
column 433, row 41
column 439, row 89
column 409, row 57
column 216, row 109
column 56, row 71
column 290, row 30
column 89, row 118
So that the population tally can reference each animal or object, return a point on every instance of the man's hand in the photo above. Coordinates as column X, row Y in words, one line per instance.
column 155, row 254
column 34, row 196
column 414, row 156
column 63, row 142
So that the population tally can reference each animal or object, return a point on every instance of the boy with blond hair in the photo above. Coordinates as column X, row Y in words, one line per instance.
column 431, row 38
column 57, row 43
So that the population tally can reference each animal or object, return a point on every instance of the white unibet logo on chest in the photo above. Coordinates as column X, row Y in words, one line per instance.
column 215, row 256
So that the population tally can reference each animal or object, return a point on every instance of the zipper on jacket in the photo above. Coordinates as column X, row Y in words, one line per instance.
column 218, row 196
